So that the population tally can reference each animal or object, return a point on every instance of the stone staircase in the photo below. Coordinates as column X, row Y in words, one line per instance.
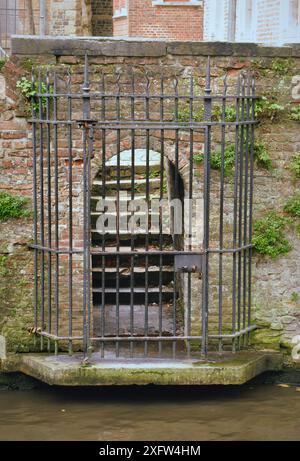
column 132, row 295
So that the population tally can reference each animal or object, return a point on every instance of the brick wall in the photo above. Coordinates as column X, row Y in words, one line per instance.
column 145, row 19
column 274, row 281
column 102, row 12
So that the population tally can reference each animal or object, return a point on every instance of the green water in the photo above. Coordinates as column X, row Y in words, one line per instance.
column 251, row 412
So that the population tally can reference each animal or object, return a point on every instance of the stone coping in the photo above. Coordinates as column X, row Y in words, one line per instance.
column 141, row 47
column 63, row 370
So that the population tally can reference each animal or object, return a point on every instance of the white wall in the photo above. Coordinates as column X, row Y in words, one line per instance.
column 263, row 21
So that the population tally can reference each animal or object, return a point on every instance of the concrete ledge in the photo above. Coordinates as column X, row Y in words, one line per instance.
column 225, row 369
column 139, row 47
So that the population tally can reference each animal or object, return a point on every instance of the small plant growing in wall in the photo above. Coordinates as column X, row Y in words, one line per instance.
column 294, row 166
column 12, row 207
column 282, row 66
column 292, row 206
column 295, row 113
column 269, row 236
column 266, row 108
column 24, row 85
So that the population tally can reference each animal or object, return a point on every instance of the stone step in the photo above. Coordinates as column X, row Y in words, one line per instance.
column 139, row 310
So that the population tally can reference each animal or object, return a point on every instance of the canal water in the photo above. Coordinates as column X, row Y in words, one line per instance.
column 249, row 412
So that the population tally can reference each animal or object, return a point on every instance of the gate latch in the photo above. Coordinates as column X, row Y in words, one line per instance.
column 188, row 263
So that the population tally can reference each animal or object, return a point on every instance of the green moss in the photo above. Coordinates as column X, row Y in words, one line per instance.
column 269, row 236
column 12, row 206
column 292, row 206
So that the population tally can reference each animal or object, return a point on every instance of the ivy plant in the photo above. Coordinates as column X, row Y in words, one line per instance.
column 265, row 108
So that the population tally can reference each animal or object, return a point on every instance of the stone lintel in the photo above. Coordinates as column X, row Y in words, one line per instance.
column 142, row 47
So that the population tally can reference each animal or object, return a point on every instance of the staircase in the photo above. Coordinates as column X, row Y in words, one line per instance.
column 132, row 294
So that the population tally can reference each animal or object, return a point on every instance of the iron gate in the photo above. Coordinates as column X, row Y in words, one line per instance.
column 143, row 195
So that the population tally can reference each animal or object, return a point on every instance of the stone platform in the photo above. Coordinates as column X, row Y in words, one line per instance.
column 218, row 369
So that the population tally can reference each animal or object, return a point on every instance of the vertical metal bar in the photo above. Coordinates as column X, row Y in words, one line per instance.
column 251, row 191
column 118, row 115
column 147, row 117
column 86, row 207
column 35, row 202
column 132, row 116
column 42, row 238
column 56, row 207
column 176, row 196
column 70, row 178
column 221, row 225
column 161, row 193
column 240, row 207
column 103, row 116
column 235, row 210
column 49, row 205
column 245, row 223
column 190, row 211
column 207, row 150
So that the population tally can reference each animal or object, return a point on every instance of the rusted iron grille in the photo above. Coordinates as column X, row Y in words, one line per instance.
column 136, row 292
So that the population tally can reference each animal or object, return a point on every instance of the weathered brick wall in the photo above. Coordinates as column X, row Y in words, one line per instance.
column 274, row 281
column 144, row 18
column 102, row 12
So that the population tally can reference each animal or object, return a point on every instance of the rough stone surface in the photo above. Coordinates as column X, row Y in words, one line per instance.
column 2, row 348
column 225, row 369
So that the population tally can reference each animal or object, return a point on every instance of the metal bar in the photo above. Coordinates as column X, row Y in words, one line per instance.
column 221, row 224
column 147, row 117
column 49, row 217
column 118, row 115
column 70, row 179
column 251, row 180
column 132, row 240
column 103, row 259
column 86, row 210
column 240, row 207
column 148, row 338
column 42, row 238
column 35, row 203
column 245, row 223
column 235, row 209
column 207, row 147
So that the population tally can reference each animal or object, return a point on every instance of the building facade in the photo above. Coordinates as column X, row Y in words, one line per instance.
column 168, row 19
column 259, row 21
